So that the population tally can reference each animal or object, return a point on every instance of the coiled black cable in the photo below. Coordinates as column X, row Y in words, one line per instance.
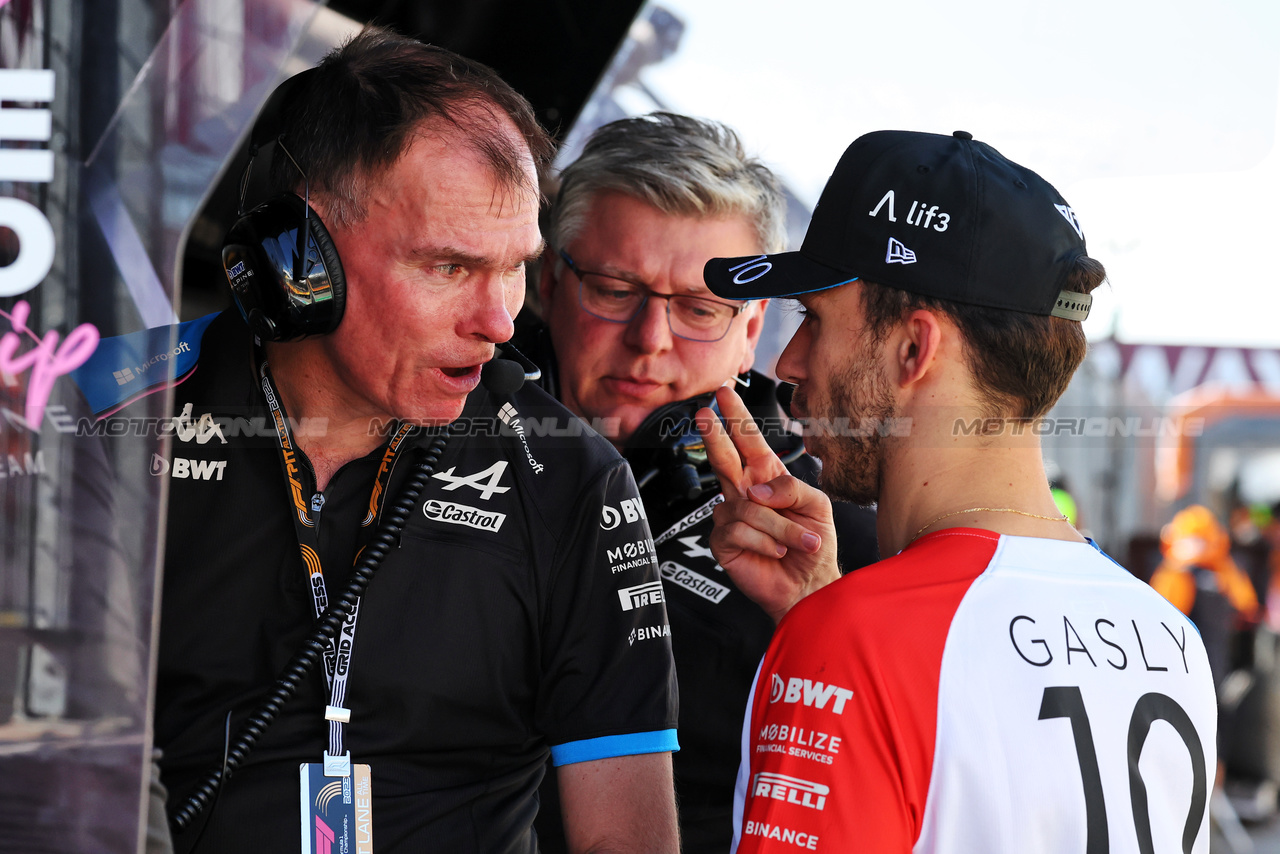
column 386, row 538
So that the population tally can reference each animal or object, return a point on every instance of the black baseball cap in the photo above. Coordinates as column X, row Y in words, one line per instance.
column 940, row 216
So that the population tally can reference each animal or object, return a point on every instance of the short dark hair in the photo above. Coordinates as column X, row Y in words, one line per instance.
column 354, row 115
column 1021, row 362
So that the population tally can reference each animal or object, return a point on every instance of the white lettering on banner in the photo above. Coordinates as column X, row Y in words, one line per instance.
column 693, row 582
column 126, row 375
column 814, row 694
column 461, row 514
column 793, row 790
column 486, row 482
column 35, row 238
column 24, row 465
column 641, row 595
column 781, row 834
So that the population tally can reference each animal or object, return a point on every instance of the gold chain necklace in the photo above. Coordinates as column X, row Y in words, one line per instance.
column 1058, row 518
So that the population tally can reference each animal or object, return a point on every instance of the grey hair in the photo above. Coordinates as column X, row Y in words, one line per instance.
column 680, row 165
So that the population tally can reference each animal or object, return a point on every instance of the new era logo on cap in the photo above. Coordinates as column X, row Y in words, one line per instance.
column 940, row 216
column 898, row 254
column 1070, row 216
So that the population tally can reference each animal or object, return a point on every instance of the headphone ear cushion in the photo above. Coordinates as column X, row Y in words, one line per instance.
column 333, row 263
column 260, row 257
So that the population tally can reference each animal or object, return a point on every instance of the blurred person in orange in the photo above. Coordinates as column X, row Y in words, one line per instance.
column 1197, row 559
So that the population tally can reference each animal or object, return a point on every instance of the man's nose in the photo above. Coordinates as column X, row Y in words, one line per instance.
column 791, row 364
column 491, row 318
column 649, row 331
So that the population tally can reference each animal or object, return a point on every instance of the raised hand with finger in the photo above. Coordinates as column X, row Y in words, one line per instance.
column 774, row 533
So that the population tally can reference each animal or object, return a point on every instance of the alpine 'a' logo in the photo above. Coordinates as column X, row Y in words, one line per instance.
column 486, row 482
column 898, row 254
column 1070, row 216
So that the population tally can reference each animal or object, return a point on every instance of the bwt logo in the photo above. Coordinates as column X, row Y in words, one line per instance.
column 194, row 469
column 641, row 595
column 792, row 790
column 810, row 693
column 632, row 511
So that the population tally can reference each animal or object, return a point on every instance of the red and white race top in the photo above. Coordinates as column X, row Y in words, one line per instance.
column 980, row 693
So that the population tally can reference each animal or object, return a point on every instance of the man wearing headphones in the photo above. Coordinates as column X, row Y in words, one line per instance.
column 348, row 435
column 635, row 344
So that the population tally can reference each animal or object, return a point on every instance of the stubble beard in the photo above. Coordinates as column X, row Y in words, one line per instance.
column 853, row 456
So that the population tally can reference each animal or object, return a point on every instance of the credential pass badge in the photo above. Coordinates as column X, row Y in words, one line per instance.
column 337, row 812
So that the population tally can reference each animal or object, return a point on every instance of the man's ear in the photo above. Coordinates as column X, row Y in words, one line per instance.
column 917, row 342
column 547, row 278
column 754, row 316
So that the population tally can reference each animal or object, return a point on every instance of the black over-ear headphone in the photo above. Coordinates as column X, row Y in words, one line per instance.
column 280, row 261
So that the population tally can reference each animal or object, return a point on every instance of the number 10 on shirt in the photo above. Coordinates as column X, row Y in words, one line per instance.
column 1067, row 702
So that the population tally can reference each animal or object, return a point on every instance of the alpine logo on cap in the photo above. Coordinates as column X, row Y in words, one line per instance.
column 898, row 254
column 1070, row 216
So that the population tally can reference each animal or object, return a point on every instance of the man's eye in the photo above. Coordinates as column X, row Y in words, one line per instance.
column 615, row 294
column 448, row 269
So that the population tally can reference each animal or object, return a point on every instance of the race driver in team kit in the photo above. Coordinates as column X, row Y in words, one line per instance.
column 997, row 684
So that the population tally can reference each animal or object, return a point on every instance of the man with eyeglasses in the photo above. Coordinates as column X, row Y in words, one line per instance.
column 634, row 344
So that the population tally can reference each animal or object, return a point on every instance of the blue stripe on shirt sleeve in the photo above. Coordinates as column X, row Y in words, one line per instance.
column 605, row 747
